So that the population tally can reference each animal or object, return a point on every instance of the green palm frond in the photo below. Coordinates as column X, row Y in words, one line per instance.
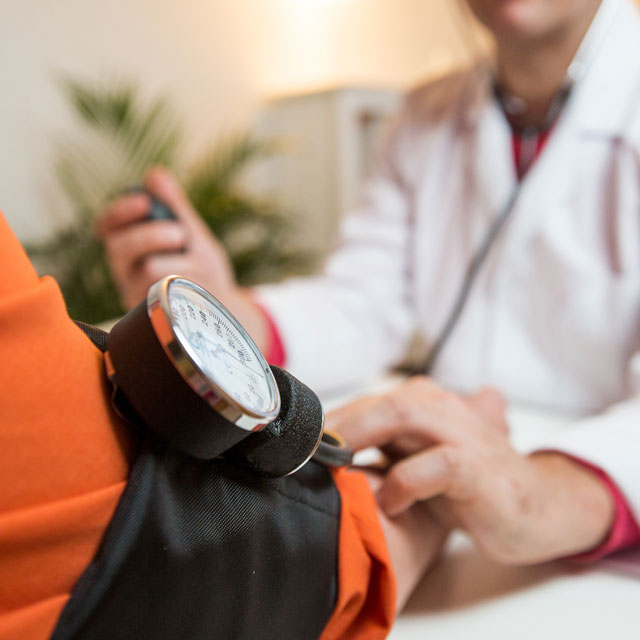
column 255, row 234
column 141, row 128
column 121, row 135
column 222, row 163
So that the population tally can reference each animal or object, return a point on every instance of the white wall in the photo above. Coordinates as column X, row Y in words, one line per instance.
column 216, row 59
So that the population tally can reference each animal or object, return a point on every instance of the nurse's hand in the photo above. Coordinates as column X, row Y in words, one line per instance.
column 460, row 465
column 140, row 252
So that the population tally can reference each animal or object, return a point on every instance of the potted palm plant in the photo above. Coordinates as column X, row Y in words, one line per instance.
column 121, row 135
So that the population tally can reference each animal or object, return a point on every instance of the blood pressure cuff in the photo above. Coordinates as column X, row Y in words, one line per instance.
column 203, row 549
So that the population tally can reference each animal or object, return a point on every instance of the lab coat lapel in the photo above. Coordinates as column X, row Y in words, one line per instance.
column 491, row 174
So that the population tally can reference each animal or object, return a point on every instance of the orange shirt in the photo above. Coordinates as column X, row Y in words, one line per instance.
column 63, row 458
column 64, row 461
column 366, row 586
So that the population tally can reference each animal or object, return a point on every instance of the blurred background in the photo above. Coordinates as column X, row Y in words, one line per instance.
column 218, row 62
column 317, row 76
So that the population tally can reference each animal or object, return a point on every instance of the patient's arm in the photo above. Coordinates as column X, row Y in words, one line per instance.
column 414, row 541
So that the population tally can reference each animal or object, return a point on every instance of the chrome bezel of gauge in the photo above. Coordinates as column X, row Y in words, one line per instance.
column 185, row 360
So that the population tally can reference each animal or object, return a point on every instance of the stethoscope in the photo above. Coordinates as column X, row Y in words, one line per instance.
column 575, row 73
column 529, row 135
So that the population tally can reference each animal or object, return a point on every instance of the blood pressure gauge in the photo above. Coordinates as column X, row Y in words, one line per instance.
column 183, row 364
column 214, row 354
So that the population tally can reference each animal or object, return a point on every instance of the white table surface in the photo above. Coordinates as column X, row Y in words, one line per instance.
column 465, row 595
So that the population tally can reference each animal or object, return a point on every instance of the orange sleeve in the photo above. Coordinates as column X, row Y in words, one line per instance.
column 63, row 454
column 64, row 464
column 365, row 608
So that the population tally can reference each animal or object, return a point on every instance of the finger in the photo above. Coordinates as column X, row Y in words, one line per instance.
column 148, row 271
column 122, row 211
column 367, row 422
column 439, row 508
column 340, row 416
column 404, row 446
column 417, row 408
column 159, row 265
column 420, row 477
column 166, row 187
column 128, row 247
column 491, row 405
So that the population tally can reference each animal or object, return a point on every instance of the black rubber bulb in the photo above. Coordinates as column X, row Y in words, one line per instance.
column 158, row 210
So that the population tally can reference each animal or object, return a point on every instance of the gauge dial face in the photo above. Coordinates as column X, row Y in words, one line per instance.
column 221, row 349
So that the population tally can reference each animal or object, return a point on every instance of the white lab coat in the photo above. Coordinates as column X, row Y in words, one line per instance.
column 554, row 317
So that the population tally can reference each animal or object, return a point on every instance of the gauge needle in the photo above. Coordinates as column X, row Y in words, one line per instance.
column 217, row 350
